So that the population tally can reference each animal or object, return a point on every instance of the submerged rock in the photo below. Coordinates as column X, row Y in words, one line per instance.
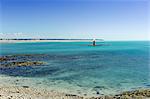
column 25, row 86
column 25, row 63
column 100, row 87
column 3, row 59
column 22, row 57
column 21, row 60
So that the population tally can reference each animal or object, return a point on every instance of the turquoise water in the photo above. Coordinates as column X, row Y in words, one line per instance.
column 76, row 67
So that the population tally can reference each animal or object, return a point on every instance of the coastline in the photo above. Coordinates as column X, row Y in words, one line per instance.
column 25, row 92
column 32, row 41
column 55, row 40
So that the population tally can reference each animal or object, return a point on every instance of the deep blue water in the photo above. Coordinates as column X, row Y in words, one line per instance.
column 83, row 69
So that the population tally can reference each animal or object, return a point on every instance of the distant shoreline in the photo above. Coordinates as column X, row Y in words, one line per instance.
column 58, row 40
column 46, row 40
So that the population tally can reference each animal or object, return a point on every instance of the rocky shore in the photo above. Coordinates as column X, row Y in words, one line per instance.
column 26, row 92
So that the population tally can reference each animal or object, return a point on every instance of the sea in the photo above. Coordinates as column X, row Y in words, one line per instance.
column 79, row 68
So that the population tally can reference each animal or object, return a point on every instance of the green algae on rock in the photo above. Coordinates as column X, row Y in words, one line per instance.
column 136, row 94
column 16, row 60
column 3, row 59
column 25, row 63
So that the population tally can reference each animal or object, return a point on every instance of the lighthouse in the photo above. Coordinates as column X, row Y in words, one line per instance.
column 94, row 42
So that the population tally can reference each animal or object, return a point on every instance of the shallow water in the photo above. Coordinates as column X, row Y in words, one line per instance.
column 76, row 67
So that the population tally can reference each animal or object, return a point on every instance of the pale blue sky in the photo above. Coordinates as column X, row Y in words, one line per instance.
column 106, row 19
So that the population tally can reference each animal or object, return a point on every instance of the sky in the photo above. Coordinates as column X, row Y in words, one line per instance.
column 103, row 19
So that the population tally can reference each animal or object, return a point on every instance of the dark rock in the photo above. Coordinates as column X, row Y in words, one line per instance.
column 97, row 92
column 25, row 86
column 148, row 85
column 85, row 94
column 70, row 95
column 3, row 59
column 99, row 87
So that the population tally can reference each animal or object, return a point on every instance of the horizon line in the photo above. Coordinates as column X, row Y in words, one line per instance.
column 70, row 39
